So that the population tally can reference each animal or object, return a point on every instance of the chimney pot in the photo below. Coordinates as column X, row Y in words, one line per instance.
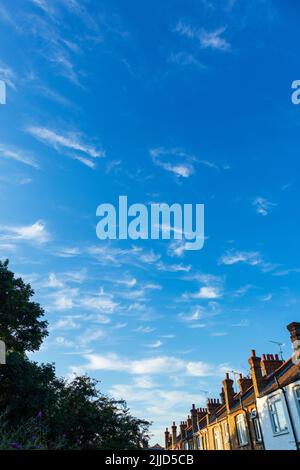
column 256, row 372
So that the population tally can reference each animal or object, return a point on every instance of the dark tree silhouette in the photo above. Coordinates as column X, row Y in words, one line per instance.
column 21, row 325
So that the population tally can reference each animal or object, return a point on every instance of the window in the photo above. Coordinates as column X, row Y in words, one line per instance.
column 297, row 395
column 277, row 415
column 257, row 430
column 241, row 430
column 199, row 443
column 218, row 439
column 226, row 432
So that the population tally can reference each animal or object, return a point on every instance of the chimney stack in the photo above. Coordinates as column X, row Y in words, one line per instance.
column 270, row 363
column 194, row 417
column 256, row 372
column 229, row 392
column 294, row 329
column 174, row 434
column 222, row 395
column 244, row 383
column 167, row 437
column 212, row 405
column 182, row 430
column 201, row 412
column 189, row 421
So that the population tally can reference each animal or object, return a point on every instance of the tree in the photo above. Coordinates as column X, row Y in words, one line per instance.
column 90, row 420
column 27, row 388
column 21, row 327
column 69, row 415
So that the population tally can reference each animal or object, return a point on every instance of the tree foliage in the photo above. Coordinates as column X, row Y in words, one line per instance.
column 21, row 325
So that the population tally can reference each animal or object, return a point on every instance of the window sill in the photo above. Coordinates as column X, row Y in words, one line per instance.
column 281, row 433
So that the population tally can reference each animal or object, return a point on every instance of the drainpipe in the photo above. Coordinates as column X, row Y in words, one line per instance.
column 289, row 412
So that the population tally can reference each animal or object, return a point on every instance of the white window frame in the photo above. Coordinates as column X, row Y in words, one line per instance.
column 218, row 438
column 226, row 432
column 274, row 413
column 297, row 397
column 199, row 442
column 257, row 429
column 241, row 429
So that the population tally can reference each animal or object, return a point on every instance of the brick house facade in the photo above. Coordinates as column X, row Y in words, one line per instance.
column 235, row 421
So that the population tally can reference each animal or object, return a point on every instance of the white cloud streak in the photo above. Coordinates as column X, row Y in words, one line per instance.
column 17, row 155
column 207, row 39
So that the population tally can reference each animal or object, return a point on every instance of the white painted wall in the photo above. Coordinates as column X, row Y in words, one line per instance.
column 284, row 440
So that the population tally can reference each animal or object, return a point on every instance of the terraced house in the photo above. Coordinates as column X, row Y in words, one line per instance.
column 263, row 414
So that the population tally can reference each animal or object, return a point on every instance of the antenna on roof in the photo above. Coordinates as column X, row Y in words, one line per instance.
column 235, row 375
column 280, row 346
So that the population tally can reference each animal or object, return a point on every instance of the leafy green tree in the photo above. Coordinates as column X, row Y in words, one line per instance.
column 21, row 325
column 27, row 388
column 90, row 420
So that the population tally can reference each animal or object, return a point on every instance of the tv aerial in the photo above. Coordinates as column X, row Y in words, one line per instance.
column 280, row 346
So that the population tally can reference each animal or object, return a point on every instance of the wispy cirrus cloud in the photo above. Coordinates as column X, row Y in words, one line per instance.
column 156, row 345
column 185, row 59
column 173, row 268
column 17, row 155
column 253, row 258
column 8, row 75
column 101, row 302
column 70, row 141
column 182, row 166
column 207, row 39
column 178, row 162
column 43, row 5
column 263, row 206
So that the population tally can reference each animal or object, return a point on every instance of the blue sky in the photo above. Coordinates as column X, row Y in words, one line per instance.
column 94, row 90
